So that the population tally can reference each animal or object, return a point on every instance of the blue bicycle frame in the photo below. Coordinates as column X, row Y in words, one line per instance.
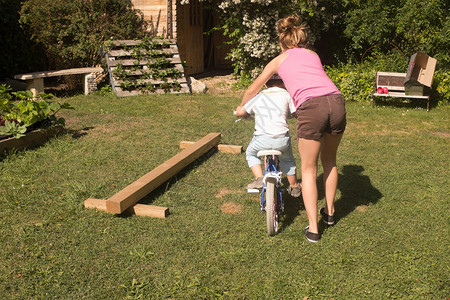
column 271, row 170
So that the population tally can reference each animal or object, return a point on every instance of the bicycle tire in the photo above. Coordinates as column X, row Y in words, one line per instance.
column 271, row 209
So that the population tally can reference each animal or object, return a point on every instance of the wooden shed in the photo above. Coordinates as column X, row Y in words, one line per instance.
column 188, row 24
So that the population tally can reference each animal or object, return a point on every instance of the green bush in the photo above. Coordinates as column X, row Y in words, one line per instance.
column 357, row 82
column 440, row 92
column 72, row 32
column 354, row 83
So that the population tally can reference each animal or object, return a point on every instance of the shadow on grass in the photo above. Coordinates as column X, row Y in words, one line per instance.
column 356, row 191
column 292, row 207
column 77, row 133
column 403, row 103
column 165, row 186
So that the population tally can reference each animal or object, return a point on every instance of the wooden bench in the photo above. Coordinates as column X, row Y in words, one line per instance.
column 389, row 84
column 35, row 80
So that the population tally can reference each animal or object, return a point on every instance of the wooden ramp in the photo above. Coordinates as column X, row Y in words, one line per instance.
column 127, row 198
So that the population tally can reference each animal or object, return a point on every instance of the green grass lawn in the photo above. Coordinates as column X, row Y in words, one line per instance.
column 391, row 239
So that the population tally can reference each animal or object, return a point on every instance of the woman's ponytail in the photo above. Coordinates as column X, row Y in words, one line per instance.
column 291, row 33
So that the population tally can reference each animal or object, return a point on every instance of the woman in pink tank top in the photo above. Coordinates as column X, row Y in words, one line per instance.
column 321, row 116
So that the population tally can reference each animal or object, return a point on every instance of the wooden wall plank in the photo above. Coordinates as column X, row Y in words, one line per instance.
column 130, row 62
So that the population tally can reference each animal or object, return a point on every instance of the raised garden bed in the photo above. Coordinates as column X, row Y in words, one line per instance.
column 27, row 121
column 31, row 139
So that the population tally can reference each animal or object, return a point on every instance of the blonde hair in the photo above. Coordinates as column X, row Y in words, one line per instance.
column 291, row 33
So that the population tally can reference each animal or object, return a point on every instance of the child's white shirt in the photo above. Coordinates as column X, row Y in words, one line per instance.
column 271, row 108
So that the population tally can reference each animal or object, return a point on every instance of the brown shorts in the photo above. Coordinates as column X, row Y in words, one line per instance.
column 319, row 115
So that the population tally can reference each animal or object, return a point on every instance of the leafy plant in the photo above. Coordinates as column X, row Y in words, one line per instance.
column 105, row 90
column 5, row 99
column 13, row 128
column 354, row 84
column 24, row 111
column 440, row 91
column 119, row 71
column 337, row 30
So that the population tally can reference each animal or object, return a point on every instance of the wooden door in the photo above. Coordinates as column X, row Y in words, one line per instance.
column 194, row 37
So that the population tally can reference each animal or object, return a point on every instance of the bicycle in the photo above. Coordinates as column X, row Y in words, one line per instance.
column 271, row 195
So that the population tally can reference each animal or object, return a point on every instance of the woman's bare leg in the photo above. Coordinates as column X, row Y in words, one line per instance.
column 309, row 153
column 328, row 153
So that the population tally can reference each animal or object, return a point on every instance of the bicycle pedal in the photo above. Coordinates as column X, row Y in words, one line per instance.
column 253, row 191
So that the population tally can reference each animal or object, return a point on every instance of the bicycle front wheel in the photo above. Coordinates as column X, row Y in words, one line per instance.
column 271, row 207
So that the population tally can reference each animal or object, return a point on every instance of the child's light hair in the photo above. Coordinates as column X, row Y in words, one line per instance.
column 291, row 34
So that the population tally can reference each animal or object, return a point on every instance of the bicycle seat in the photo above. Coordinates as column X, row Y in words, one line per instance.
column 268, row 152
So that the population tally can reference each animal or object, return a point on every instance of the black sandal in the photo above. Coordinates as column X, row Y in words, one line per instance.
column 329, row 220
column 310, row 236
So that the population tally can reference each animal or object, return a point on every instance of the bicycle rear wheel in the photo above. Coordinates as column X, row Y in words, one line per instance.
column 271, row 207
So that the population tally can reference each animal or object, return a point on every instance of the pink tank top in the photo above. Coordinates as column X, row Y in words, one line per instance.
column 304, row 77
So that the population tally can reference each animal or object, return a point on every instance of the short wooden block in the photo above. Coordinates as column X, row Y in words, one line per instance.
column 138, row 209
column 230, row 149
column 149, row 211
column 221, row 147
column 98, row 204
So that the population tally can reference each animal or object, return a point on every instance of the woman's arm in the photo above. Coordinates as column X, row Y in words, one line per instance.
column 270, row 69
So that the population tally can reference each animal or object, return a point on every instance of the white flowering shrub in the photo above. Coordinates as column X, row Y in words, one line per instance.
column 251, row 27
column 251, row 24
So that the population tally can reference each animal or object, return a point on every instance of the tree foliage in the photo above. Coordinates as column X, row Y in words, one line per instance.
column 408, row 25
column 17, row 51
column 72, row 32
column 251, row 27
column 340, row 30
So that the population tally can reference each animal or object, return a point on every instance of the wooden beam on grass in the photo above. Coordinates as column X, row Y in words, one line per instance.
column 132, row 193
column 221, row 147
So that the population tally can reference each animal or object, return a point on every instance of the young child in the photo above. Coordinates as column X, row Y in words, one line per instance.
column 271, row 108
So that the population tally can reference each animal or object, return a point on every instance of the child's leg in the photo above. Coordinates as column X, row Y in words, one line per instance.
column 257, row 171
column 292, row 180
column 254, row 163
column 287, row 162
